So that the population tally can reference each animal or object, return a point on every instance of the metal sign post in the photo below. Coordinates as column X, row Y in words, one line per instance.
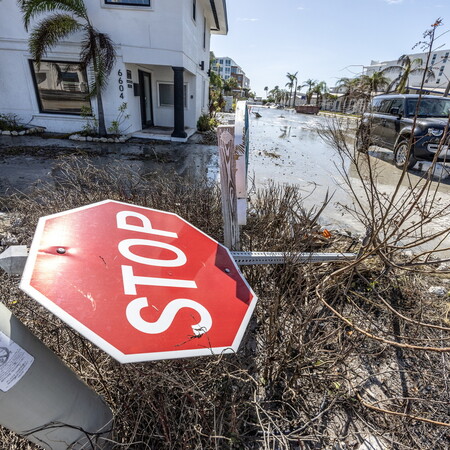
column 227, row 161
column 41, row 399
column 241, row 157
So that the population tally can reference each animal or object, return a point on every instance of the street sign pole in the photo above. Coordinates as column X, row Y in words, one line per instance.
column 41, row 399
column 227, row 163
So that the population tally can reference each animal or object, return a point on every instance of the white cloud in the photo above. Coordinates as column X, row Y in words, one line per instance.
column 247, row 19
column 392, row 2
column 300, row 8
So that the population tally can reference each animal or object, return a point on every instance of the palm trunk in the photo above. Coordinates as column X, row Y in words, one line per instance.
column 295, row 93
column 101, row 115
column 100, row 111
column 447, row 89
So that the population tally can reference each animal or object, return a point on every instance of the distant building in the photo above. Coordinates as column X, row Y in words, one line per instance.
column 438, row 64
column 162, row 53
column 227, row 68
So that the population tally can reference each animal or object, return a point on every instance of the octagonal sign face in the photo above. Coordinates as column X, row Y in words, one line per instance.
column 139, row 283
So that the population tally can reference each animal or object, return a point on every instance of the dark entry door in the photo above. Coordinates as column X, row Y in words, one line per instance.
column 145, row 83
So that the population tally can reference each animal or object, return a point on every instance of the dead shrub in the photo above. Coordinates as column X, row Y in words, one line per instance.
column 303, row 377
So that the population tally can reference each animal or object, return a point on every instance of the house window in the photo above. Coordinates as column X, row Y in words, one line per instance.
column 128, row 2
column 61, row 87
column 165, row 91
column 227, row 62
column 194, row 9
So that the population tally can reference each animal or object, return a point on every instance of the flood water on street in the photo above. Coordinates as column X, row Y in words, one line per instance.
column 285, row 147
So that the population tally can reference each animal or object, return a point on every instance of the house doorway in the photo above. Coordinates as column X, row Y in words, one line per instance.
column 145, row 83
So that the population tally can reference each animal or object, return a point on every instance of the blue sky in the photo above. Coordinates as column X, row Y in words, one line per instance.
column 321, row 38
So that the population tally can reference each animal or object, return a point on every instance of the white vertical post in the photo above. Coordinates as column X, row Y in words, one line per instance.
column 42, row 399
column 241, row 147
column 225, row 138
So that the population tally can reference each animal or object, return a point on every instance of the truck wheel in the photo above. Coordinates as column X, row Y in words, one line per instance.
column 401, row 157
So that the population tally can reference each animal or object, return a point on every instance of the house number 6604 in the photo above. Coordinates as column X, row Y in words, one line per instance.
column 121, row 88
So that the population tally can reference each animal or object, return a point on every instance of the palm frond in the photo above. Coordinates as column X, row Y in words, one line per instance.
column 390, row 69
column 393, row 83
column 49, row 32
column 107, row 52
column 32, row 8
column 404, row 60
column 88, row 47
column 98, row 49
column 421, row 70
column 99, row 80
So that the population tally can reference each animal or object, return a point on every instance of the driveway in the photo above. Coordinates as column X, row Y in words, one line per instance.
column 28, row 159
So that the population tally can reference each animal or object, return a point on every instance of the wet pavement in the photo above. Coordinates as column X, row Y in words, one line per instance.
column 285, row 147
column 31, row 159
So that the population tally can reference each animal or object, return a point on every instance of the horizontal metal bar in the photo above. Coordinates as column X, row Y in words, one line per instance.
column 13, row 259
column 249, row 258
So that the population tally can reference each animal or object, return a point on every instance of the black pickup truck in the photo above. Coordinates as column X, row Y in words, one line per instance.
column 415, row 128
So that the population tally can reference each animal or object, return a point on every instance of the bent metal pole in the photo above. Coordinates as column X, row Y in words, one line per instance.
column 41, row 399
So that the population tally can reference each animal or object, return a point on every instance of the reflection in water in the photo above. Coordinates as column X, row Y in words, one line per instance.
column 315, row 167
column 285, row 132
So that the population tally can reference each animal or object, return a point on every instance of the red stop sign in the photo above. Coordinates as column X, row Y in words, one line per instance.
column 141, row 284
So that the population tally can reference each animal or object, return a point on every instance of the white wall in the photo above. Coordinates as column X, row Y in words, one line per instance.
column 154, row 39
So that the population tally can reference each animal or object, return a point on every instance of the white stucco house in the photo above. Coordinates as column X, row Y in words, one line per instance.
column 162, row 54
column 439, row 64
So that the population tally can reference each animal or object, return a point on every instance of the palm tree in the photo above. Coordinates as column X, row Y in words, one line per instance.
column 229, row 85
column 295, row 87
column 292, row 77
column 290, row 86
column 351, row 88
column 371, row 84
column 275, row 93
column 310, row 83
column 286, row 97
column 406, row 67
column 375, row 82
column 320, row 89
column 68, row 17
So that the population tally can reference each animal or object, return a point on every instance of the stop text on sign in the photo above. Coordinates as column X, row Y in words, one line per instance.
column 130, row 279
